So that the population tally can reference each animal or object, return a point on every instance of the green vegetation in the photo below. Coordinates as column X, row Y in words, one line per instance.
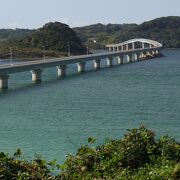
column 55, row 38
column 103, row 34
column 165, row 30
column 13, row 34
column 137, row 156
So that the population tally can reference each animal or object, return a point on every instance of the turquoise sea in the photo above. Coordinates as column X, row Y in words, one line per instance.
column 57, row 116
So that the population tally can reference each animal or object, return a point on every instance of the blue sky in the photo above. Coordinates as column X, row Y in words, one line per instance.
column 35, row 13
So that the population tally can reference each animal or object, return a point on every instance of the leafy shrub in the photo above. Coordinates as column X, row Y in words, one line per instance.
column 16, row 168
column 137, row 156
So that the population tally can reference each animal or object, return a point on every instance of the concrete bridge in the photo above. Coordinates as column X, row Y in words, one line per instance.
column 124, row 56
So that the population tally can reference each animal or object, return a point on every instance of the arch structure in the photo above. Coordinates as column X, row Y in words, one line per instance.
column 133, row 44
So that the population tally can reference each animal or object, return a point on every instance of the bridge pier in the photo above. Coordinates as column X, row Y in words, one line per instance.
column 109, row 61
column 129, row 58
column 153, row 52
column 137, row 56
column 156, row 52
column 36, row 75
column 97, row 64
column 81, row 67
column 142, row 55
column 4, row 81
column 61, row 70
column 120, row 60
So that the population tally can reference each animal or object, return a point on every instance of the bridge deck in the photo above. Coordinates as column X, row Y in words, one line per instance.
column 41, row 64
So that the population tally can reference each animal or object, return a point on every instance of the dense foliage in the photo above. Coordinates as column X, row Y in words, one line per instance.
column 56, row 38
column 13, row 34
column 137, row 156
column 165, row 30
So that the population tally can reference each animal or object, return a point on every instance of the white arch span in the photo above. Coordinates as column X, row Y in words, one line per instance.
column 150, row 42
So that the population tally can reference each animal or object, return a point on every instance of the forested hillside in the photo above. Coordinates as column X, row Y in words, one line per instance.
column 55, row 38
column 13, row 34
column 58, row 38
column 165, row 30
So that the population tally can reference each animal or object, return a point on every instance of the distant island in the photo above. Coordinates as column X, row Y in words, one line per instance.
column 58, row 39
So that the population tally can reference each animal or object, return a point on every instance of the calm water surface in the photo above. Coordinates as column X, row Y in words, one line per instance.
column 57, row 116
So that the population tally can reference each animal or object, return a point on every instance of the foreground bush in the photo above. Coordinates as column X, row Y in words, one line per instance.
column 138, row 155
column 16, row 168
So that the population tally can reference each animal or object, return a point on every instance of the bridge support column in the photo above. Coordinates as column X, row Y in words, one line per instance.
column 36, row 75
column 81, row 67
column 153, row 52
column 109, row 61
column 137, row 56
column 4, row 81
column 61, row 70
column 156, row 52
column 142, row 56
column 97, row 64
column 120, row 60
column 129, row 58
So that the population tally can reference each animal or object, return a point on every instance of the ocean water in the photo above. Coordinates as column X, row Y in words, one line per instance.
column 57, row 116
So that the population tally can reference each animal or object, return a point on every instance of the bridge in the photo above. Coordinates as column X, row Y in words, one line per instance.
column 134, row 44
column 132, row 53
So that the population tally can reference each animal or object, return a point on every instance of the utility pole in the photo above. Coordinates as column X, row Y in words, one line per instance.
column 69, row 50
column 44, row 53
column 11, row 58
column 87, row 47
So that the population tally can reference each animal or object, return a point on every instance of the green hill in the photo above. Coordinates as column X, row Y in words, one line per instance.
column 164, row 29
column 13, row 34
column 103, row 34
column 55, row 37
